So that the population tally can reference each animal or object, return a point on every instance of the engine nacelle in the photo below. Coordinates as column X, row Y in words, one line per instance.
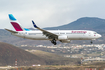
column 62, row 37
column 65, row 41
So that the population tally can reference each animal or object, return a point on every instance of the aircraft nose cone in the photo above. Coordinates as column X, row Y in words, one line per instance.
column 99, row 35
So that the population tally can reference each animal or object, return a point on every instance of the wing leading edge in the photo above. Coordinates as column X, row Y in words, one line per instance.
column 47, row 33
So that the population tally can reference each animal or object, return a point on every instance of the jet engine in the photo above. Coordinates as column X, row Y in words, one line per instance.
column 62, row 37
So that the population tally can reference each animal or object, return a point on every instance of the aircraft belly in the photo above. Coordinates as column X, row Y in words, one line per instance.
column 36, row 37
column 22, row 36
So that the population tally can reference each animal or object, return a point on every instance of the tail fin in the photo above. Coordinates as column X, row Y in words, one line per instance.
column 15, row 23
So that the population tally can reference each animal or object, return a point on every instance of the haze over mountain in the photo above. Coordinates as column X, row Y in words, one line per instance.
column 85, row 23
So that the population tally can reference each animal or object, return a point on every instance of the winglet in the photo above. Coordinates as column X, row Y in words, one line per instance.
column 34, row 24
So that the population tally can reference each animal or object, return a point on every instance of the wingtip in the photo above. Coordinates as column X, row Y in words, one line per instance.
column 34, row 24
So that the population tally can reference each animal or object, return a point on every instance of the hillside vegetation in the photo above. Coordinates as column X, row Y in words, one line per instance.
column 9, row 53
column 54, row 59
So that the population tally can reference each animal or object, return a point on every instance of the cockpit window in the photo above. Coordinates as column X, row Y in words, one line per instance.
column 95, row 33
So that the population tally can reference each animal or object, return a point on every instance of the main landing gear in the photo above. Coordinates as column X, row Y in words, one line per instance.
column 54, row 41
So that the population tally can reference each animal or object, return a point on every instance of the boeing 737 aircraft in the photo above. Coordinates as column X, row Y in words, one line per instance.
column 64, row 36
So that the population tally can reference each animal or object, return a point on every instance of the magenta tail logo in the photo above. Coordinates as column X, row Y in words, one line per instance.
column 16, row 26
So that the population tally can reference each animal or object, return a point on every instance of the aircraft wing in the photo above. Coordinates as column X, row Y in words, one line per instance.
column 11, row 31
column 47, row 33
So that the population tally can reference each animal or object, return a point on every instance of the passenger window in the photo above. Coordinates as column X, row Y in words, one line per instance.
column 62, row 33
column 94, row 33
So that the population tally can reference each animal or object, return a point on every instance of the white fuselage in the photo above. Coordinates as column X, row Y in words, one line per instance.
column 71, row 34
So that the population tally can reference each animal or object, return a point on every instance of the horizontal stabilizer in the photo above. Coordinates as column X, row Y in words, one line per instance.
column 11, row 31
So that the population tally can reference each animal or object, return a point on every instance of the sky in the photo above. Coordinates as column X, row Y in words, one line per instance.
column 49, row 13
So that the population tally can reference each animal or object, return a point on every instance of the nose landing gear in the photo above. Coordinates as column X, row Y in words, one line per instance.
column 91, row 42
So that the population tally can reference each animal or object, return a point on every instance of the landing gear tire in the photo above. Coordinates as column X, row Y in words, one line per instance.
column 91, row 42
column 54, row 41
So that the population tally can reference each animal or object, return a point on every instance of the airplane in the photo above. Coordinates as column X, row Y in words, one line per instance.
column 64, row 36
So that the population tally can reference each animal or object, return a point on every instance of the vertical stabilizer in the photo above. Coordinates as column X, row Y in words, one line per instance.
column 15, row 23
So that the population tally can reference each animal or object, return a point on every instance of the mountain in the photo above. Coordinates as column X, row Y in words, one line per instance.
column 9, row 53
column 87, row 23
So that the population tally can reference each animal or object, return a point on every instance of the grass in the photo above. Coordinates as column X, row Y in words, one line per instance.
column 54, row 59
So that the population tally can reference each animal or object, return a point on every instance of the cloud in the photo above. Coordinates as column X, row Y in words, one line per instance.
column 48, row 13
